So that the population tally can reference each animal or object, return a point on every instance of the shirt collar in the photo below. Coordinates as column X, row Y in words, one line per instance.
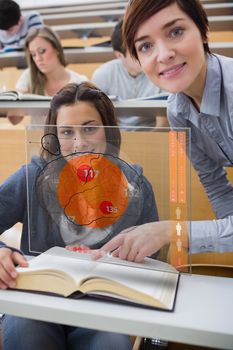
column 210, row 103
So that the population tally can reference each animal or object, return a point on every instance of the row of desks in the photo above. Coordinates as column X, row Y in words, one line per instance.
column 50, row 6
column 94, row 54
column 73, row 14
column 127, row 108
column 99, row 29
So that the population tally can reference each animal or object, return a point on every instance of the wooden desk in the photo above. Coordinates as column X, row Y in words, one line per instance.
column 29, row 5
column 219, row 9
column 220, row 23
column 215, row 1
column 84, row 17
column 81, row 7
column 93, row 54
column 203, row 313
column 217, row 23
column 223, row 48
column 73, row 55
column 147, row 108
column 212, row 8
column 85, row 29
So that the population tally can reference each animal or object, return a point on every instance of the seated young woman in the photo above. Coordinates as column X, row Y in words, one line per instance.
column 47, row 72
column 77, row 192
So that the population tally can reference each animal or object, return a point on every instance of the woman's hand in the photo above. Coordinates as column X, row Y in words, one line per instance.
column 135, row 243
column 8, row 260
column 15, row 119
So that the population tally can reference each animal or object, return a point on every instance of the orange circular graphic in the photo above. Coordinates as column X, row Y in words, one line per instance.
column 92, row 191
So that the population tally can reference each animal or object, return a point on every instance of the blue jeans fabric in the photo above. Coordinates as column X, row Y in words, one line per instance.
column 26, row 334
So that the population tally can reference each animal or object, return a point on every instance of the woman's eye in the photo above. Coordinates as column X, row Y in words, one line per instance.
column 66, row 132
column 89, row 129
column 41, row 51
column 177, row 32
column 144, row 47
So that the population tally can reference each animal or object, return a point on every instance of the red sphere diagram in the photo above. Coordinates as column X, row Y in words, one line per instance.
column 92, row 190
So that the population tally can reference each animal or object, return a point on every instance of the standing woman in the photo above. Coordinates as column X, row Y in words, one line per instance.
column 170, row 40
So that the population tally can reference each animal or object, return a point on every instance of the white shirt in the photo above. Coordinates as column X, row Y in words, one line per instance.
column 113, row 79
column 23, row 83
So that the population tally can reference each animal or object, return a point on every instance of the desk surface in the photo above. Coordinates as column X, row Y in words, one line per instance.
column 101, row 15
column 203, row 313
column 80, row 8
column 93, row 54
column 127, row 108
column 29, row 5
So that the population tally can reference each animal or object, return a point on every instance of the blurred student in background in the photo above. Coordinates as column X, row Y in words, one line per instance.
column 14, row 26
column 46, row 73
column 123, row 77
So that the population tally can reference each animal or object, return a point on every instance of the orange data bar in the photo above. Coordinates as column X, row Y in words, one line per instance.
column 178, row 198
column 173, row 166
column 181, row 167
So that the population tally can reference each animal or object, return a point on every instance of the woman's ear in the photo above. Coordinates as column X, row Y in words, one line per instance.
column 118, row 54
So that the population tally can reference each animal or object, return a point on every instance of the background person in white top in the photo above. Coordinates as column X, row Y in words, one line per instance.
column 46, row 73
column 123, row 77
column 14, row 26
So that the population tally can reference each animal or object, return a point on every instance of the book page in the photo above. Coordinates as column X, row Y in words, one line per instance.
column 15, row 95
column 157, row 284
column 77, row 269
column 61, row 271
column 148, row 264
column 9, row 95
column 155, row 281
column 26, row 97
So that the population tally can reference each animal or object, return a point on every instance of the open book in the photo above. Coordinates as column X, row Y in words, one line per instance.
column 63, row 272
column 15, row 95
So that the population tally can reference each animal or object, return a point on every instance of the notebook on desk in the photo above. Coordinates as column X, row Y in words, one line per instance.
column 17, row 96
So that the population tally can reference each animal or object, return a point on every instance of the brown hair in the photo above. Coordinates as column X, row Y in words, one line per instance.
column 138, row 11
column 88, row 92
column 37, row 78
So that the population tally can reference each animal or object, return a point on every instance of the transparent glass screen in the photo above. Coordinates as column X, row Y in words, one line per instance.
column 85, row 186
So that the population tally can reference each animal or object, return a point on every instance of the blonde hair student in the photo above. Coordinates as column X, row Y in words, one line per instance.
column 47, row 72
